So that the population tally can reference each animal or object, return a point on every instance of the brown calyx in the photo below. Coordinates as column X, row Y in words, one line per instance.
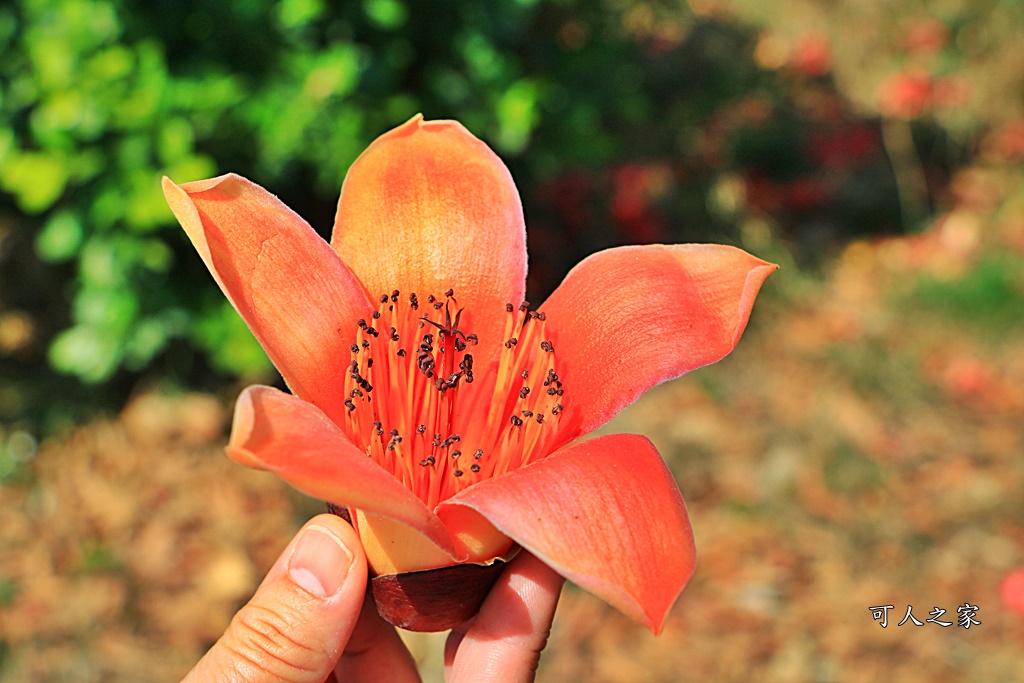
column 432, row 599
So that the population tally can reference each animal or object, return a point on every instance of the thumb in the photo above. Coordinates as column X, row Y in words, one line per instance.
column 296, row 625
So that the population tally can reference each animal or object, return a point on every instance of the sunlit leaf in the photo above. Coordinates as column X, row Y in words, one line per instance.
column 390, row 14
column 60, row 238
column 36, row 179
column 86, row 352
column 295, row 13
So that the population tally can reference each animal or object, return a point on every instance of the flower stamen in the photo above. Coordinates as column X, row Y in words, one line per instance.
column 412, row 374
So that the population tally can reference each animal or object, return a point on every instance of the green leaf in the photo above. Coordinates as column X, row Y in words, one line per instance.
column 517, row 115
column 98, row 266
column 111, row 310
column 388, row 14
column 86, row 352
column 36, row 179
column 296, row 13
column 149, row 338
column 146, row 207
column 60, row 238
column 232, row 347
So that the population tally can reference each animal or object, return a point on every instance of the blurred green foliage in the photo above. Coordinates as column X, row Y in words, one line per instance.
column 989, row 297
column 622, row 121
column 100, row 98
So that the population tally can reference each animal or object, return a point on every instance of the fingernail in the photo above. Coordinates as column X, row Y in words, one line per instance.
column 320, row 562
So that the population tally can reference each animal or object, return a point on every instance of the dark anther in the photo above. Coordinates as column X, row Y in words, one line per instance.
column 431, row 459
column 421, row 429
column 509, row 308
column 457, row 473
column 413, row 301
column 376, row 315
column 354, row 365
column 369, row 362
column 354, row 348
column 526, row 374
column 527, row 413
column 394, row 334
column 510, row 342
column 383, row 298
column 479, row 454
column 394, row 296
column 540, row 315
column 525, row 306
column 365, row 344
column 524, row 392
column 456, row 454
column 516, row 420
column 547, row 346
column 557, row 409
column 401, row 352
column 540, row 418
column 472, row 338
column 436, row 442
column 475, row 467
column 460, row 345
column 349, row 404
column 431, row 299
column 393, row 432
column 362, row 324
column 424, row 463
column 438, row 305
column 449, row 292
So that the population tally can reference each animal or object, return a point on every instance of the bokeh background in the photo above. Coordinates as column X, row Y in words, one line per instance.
column 863, row 445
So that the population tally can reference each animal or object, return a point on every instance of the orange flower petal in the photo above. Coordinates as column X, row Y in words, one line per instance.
column 297, row 297
column 428, row 207
column 285, row 435
column 626, row 319
column 604, row 513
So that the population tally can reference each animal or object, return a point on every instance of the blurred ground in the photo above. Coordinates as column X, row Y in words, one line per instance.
column 862, row 447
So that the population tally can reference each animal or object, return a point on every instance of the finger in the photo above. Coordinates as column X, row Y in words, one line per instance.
column 300, row 618
column 504, row 641
column 375, row 652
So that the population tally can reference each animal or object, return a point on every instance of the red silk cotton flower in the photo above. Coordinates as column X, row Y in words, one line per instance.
column 429, row 399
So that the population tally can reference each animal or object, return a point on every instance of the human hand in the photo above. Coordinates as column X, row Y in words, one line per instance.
column 308, row 622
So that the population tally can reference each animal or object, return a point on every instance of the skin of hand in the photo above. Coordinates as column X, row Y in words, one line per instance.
column 308, row 622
